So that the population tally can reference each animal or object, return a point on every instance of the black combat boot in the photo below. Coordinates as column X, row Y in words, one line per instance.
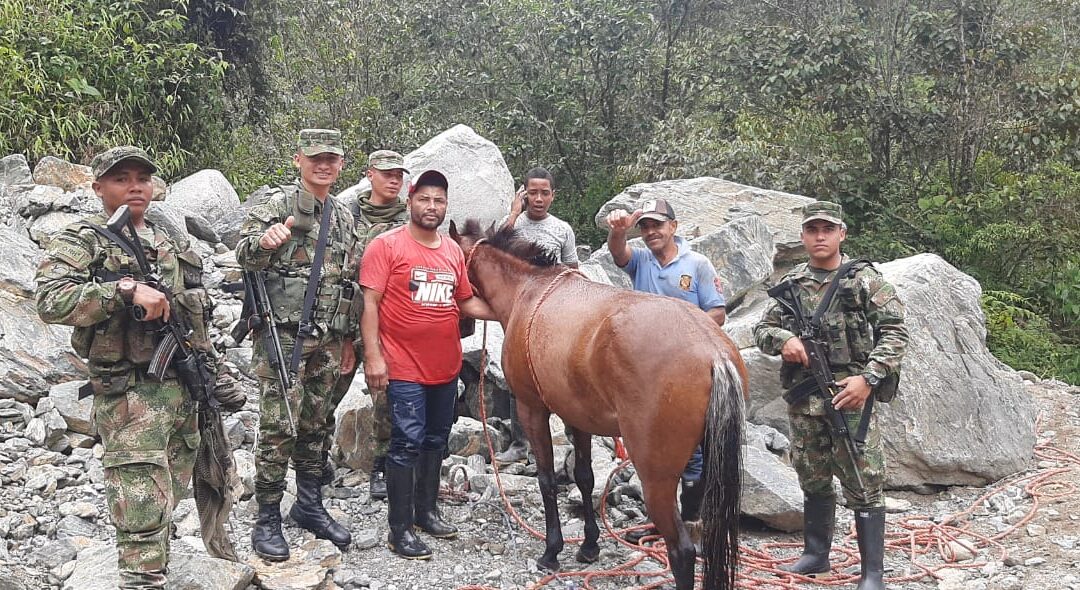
column 309, row 513
column 870, row 528
column 377, row 481
column 266, row 538
column 819, row 518
column 692, row 493
column 428, row 468
column 400, row 495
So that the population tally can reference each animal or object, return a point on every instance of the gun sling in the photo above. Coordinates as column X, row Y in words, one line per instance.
column 306, row 328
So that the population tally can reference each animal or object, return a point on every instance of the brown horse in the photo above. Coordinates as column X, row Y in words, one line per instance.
column 654, row 370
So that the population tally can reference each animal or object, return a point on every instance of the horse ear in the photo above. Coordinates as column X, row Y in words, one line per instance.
column 491, row 229
column 454, row 235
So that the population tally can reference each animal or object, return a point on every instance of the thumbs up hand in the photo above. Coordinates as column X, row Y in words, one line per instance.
column 277, row 234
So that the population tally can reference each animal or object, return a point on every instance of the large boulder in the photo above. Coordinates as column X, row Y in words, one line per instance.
column 44, row 229
column 95, row 568
column 33, row 355
column 14, row 169
column 56, row 172
column 770, row 490
column 703, row 205
column 208, row 197
column 742, row 252
column 170, row 219
column 961, row 416
column 481, row 185
column 353, row 418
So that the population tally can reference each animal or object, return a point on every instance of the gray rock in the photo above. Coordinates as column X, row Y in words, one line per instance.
column 56, row 172
column 77, row 413
column 21, row 258
column 73, row 527
column 201, row 228
column 742, row 319
column 742, row 252
column 14, row 169
column 208, row 195
column 467, row 437
column 351, row 434
column 245, row 472
column 96, row 569
column 171, row 221
column 44, row 228
column 770, row 491
column 702, row 205
column 481, row 185
column 241, row 357
column 961, row 417
column 54, row 554
column 34, row 200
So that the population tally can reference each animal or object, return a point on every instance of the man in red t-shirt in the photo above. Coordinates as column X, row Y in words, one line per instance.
column 415, row 288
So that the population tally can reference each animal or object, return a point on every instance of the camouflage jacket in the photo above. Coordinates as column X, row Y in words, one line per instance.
column 367, row 227
column 77, row 283
column 338, row 302
column 864, row 327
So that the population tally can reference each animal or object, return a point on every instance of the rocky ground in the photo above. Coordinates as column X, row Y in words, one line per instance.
column 1023, row 532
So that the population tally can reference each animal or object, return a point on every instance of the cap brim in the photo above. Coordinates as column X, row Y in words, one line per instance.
column 823, row 217
column 315, row 150
column 656, row 217
column 390, row 167
column 145, row 162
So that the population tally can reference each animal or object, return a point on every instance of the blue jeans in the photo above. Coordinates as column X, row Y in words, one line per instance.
column 421, row 417
column 695, row 467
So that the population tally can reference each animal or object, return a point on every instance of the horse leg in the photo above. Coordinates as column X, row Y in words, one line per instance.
column 535, row 423
column 660, row 502
column 583, row 477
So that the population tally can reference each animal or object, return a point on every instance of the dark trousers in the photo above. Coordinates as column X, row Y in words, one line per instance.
column 695, row 468
column 422, row 416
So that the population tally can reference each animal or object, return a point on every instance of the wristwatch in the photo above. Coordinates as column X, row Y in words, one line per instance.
column 126, row 288
column 871, row 379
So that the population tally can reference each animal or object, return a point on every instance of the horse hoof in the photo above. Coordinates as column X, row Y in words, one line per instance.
column 588, row 555
column 550, row 565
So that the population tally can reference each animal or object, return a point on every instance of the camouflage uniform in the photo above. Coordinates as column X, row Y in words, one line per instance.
column 337, row 319
column 149, row 429
column 866, row 335
column 372, row 220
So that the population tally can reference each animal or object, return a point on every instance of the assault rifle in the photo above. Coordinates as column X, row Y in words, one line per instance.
column 809, row 331
column 258, row 314
column 175, row 348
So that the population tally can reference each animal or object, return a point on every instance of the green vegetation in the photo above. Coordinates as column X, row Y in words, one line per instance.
column 949, row 126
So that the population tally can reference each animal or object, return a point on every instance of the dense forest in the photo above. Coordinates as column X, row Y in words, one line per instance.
column 950, row 126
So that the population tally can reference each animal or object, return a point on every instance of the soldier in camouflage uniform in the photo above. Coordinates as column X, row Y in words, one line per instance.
column 279, row 236
column 376, row 210
column 867, row 340
column 149, row 429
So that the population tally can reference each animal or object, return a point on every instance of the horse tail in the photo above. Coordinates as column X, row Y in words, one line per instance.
column 723, row 476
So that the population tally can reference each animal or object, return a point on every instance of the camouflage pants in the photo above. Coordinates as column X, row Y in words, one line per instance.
column 313, row 399
column 817, row 456
column 150, row 434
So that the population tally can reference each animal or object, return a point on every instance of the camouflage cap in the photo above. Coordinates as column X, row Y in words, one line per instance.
column 826, row 210
column 387, row 160
column 103, row 162
column 312, row 142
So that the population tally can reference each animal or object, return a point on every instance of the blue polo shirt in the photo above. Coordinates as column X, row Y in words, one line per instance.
column 690, row 276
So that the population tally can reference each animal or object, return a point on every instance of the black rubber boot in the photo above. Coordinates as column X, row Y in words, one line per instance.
column 377, row 481
column 819, row 518
column 870, row 528
column 328, row 472
column 309, row 513
column 400, row 494
column 692, row 493
column 266, row 538
column 428, row 467
column 518, row 450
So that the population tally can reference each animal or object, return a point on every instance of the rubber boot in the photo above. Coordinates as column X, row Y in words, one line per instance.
column 310, row 514
column 400, row 495
column 819, row 518
column 519, row 449
column 692, row 493
column 377, row 481
column 266, row 538
column 870, row 528
column 428, row 467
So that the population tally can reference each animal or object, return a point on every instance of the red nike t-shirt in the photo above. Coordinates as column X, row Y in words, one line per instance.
column 418, row 315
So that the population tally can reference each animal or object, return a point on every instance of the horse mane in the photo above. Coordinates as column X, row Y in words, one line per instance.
column 509, row 240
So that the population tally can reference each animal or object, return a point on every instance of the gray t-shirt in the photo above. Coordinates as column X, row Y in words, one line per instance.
column 552, row 233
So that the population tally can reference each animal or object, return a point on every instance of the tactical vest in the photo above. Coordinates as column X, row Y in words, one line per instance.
column 119, row 343
column 338, row 302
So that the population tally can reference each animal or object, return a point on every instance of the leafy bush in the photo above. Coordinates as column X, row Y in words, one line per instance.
column 1022, row 339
